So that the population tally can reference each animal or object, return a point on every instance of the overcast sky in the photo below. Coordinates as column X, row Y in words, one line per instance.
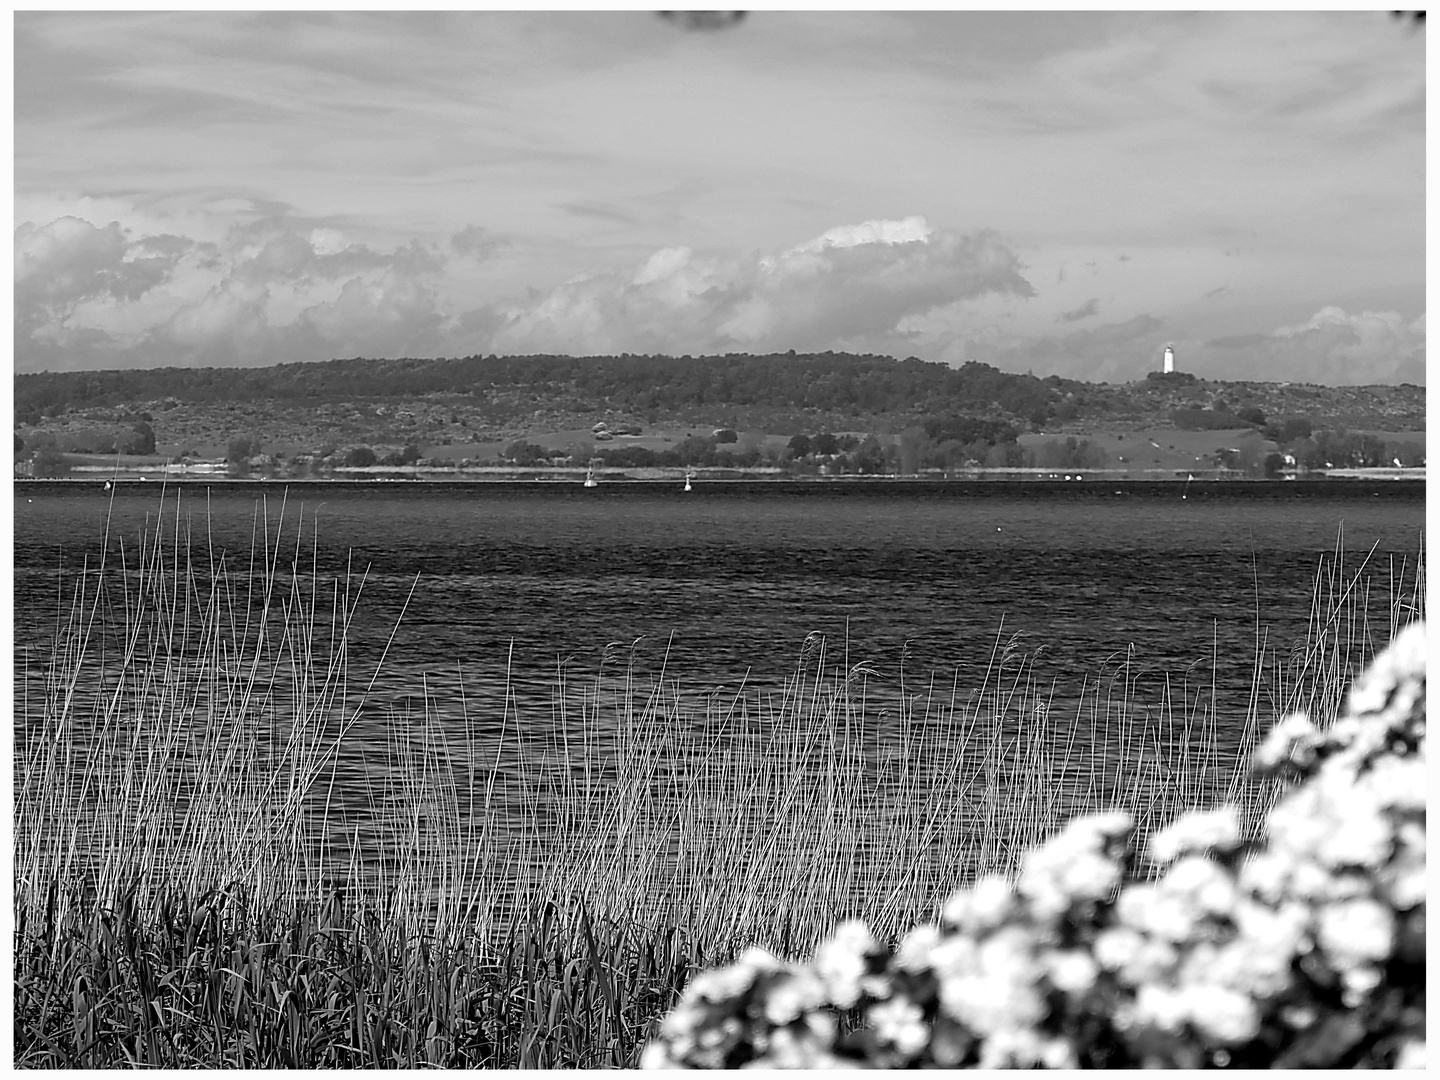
column 1056, row 193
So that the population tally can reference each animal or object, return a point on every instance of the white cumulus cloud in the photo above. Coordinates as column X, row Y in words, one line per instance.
column 905, row 231
column 90, row 296
column 1332, row 346
column 850, row 288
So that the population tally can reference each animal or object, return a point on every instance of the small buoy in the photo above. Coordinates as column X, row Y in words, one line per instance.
column 998, row 529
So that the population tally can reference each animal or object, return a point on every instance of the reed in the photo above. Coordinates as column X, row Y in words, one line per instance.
column 191, row 889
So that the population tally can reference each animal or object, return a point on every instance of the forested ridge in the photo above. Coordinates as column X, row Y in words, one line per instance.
column 879, row 388
column 872, row 384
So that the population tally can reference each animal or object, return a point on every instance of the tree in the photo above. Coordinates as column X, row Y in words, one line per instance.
column 49, row 462
column 525, row 453
column 799, row 446
column 411, row 454
column 825, row 443
column 1294, row 429
column 694, row 451
column 726, row 435
column 914, row 446
column 361, row 457
column 869, row 456
column 238, row 454
column 1308, row 454
column 1409, row 454
column 1246, row 458
column 143, row 441
column 1006, row 456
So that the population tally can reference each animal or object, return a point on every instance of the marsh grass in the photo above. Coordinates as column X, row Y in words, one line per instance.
column 213, row 868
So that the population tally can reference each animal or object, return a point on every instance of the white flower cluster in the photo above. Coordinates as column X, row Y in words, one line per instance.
column 1307, row 950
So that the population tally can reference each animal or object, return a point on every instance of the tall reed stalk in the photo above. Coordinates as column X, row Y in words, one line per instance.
column 225, row 853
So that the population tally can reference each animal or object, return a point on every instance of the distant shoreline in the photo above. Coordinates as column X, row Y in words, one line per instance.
column 90, row 473
column 1406, row 480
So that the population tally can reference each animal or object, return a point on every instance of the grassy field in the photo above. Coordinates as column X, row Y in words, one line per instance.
column 188, row 891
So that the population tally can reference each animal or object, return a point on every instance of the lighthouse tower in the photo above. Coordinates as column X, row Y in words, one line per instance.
column 1169, row 359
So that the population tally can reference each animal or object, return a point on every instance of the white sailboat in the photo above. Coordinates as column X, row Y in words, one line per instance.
column 689, row 473
column 590, row 480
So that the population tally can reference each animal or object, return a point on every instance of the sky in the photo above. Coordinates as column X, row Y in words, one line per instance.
column 1061, row 193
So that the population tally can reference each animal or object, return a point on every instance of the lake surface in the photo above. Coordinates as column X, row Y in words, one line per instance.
column 483, row 597
column 730, row 579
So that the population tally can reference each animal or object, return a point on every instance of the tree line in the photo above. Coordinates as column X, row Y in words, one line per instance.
column 639, row 383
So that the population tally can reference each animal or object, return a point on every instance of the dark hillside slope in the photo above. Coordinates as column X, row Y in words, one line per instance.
column 469, row 399
column 869, row 384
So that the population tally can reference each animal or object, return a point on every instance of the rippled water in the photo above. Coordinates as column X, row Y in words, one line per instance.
column 729, row 580
column 468, row 589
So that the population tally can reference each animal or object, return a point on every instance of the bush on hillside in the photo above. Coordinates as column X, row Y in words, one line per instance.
column 1188, row 419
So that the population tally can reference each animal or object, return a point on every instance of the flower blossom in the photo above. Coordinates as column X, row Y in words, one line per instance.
column 842, row 962
column 1195, row 832
column 901, row 1023
column 1218, row 958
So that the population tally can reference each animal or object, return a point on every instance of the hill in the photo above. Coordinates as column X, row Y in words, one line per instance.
column 442, row 407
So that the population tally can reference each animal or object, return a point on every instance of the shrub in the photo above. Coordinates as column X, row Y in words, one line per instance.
column 1191, row 419
column 142, row 438
column 525, row 453
column 1304, row 950
column 49, row 462
column 241, row 450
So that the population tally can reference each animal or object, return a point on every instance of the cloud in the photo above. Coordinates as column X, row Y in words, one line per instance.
column 914, row 229
column 1237, row 341
column 279, row 288
column 89, row 296
column 1332, row 346
column 275, row 289
column 1084, row 311
column 474, row 242
column 1111, row 352
column 851, row 287
column 70, row 259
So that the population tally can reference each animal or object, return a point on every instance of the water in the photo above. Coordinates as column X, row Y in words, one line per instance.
column 725, row 583
column 482, row 598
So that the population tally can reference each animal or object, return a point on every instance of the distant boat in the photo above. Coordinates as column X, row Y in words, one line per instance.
column 590, row 480
column 688, row 474
column 107, row 485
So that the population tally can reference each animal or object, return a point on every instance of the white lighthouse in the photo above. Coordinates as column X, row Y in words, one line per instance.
column 1169, row 359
